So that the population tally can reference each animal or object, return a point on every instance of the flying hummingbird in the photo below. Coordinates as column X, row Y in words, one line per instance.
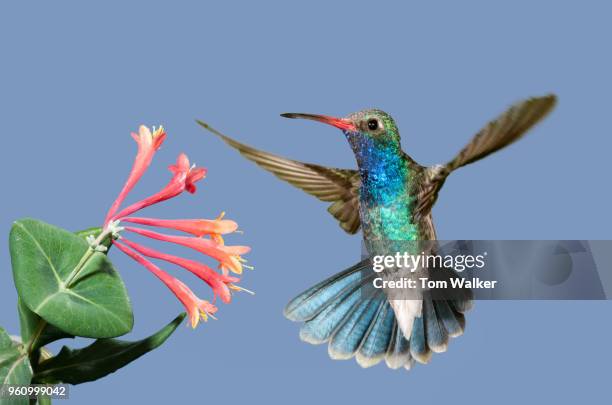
column 390, row 197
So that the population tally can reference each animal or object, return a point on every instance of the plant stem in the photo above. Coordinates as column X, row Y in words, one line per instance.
column 36, row 335
column 90, row 251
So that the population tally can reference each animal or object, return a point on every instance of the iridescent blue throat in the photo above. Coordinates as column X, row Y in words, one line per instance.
column 383, row 169
column 385, row 200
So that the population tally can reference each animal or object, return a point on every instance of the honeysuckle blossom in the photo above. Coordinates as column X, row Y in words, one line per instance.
column 148, row 143
column 206, row 233
column 184, row 179
column 197, row 227
column 219, row 283
column 229, row 257
column 196, row 308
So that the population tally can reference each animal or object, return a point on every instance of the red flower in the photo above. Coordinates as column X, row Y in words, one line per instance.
column 184, row 178
column 197, row 227
column 219, row 283
column 196, row 307
column 229, row 257
column 148, row 144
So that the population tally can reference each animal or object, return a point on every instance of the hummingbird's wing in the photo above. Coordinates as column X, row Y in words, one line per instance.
column 502, row 131
column 339, row 186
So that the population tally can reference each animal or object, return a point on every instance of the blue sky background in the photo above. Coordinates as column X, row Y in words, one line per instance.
column 76, row 78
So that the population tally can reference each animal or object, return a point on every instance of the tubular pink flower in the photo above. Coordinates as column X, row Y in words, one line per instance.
column 196, row 307
column 220, row 284
column 184, row 178
column 191, row 174
column 196, row 227
column 148, row 144
column 229, row 257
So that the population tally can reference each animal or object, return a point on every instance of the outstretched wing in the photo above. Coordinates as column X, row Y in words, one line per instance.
column 339, row 186
column 505, row 129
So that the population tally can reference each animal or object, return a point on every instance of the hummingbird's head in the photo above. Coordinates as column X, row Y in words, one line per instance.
column 364, row 129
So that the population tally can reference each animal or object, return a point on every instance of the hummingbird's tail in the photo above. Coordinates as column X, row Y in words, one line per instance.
column 365, row 326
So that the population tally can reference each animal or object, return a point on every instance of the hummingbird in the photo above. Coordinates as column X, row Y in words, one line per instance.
column 390, row 197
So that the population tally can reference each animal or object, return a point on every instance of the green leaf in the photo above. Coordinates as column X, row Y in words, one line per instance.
column 99, row 359
column 14, row 366
column 31, row 323
column 66, row 283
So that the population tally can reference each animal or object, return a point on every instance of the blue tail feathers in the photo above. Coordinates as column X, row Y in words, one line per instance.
column 335, row 312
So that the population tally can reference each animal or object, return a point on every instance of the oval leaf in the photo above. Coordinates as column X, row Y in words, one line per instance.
column 92, row 304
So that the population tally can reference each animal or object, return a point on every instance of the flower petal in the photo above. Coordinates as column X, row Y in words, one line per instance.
column 196, row 227
column 196, row 308
column 176, row 186
column 228, row 256
column 219, row 283
column 148, row 144
column 195, row 174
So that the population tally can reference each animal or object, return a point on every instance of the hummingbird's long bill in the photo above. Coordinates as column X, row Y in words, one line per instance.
column 341, row 123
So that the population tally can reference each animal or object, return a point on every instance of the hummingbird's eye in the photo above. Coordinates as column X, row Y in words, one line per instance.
column 373, row 124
